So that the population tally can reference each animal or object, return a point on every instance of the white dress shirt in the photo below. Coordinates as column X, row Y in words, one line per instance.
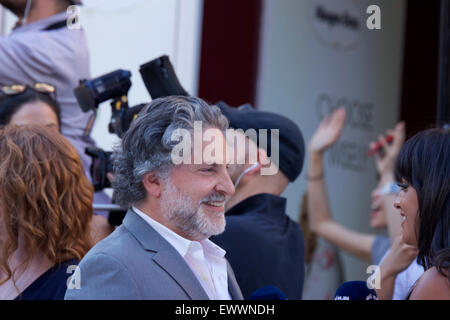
column 206, row 260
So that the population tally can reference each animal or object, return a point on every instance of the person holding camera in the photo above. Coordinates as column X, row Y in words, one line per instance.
column 43, row 49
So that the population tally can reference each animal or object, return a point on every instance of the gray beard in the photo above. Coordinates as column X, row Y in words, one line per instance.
column 188, row 216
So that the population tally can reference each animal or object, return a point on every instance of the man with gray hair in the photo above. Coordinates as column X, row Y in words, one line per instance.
column 161, row 250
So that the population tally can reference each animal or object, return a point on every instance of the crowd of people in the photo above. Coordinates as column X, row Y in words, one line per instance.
column 210, row 227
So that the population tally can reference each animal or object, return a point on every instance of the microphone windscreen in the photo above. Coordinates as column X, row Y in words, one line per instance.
column 355, row 290
column 268, row 293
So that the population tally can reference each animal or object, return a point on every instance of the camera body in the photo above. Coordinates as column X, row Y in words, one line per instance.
column 160, row 80
column 113, row 85
column 101, row 164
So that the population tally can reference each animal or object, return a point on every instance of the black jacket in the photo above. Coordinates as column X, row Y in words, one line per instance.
column 264, row 246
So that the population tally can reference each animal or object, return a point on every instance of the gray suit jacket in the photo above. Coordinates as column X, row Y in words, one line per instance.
column 136, row 262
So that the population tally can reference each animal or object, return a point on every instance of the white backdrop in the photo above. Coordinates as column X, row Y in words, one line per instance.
column 310, row 65
column 123, row 34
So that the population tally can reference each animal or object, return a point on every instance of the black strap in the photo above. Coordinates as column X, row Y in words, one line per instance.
column 55, row 26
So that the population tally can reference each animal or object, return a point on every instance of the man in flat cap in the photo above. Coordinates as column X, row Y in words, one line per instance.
column 264, row 246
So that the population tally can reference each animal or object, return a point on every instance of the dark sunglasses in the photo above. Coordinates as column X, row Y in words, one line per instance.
column 41, row 87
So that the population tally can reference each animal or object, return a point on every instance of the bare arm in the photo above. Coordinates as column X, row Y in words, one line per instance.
column 320, row 218
column 321, row 221
column 432, row 286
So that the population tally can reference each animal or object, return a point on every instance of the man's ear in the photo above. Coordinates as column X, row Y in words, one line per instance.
column 268, row 167
column 152, row 184
column 263, row 159
column 257, row 167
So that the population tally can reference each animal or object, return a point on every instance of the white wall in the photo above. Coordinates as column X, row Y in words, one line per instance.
column 304, row 59
column 127, row 33
column 7, row 21
column 124, row 34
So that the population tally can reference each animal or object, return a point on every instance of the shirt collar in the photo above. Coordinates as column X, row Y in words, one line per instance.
column 182, row 245
column 41, row 24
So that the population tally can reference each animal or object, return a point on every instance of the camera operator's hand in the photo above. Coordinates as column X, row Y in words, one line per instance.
column 385, row 160
column 328, row 132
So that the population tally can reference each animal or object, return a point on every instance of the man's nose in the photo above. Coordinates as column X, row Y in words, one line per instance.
column 225, row 184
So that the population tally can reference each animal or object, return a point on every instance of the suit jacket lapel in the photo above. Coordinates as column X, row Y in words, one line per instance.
column 233, row 286
column 165, row 255
column 178, row 269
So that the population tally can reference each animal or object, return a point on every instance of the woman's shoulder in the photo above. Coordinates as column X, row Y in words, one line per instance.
column 52, row 284
column 432, row 285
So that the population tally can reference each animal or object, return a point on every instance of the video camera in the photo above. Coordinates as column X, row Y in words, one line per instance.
column 160, row 80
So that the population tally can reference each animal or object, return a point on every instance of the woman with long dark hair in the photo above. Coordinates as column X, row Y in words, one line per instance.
column 423, row 173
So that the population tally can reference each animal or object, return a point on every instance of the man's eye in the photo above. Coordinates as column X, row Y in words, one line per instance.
column 207, row 170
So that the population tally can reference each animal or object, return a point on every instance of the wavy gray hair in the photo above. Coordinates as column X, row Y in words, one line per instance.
column 147, row 145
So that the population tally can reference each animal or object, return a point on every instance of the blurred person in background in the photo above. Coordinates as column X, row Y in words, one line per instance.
column 24, row 105
column 365, row 246
column 323, row 268
column 264, row 246
column 45, row 211
column 42, row 48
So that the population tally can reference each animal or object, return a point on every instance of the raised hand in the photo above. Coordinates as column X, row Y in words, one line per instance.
column 385, row 161
column 400, row 256
column 328, row 132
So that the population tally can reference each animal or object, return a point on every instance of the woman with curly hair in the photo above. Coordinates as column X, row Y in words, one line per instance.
column 423, row 173
column 31, row 107
column 45, row 212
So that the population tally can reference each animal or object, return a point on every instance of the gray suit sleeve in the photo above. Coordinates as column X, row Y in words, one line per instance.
column 102, row 277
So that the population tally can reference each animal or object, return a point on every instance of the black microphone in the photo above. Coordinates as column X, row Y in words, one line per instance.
column 355, row 290
column 268, row 293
